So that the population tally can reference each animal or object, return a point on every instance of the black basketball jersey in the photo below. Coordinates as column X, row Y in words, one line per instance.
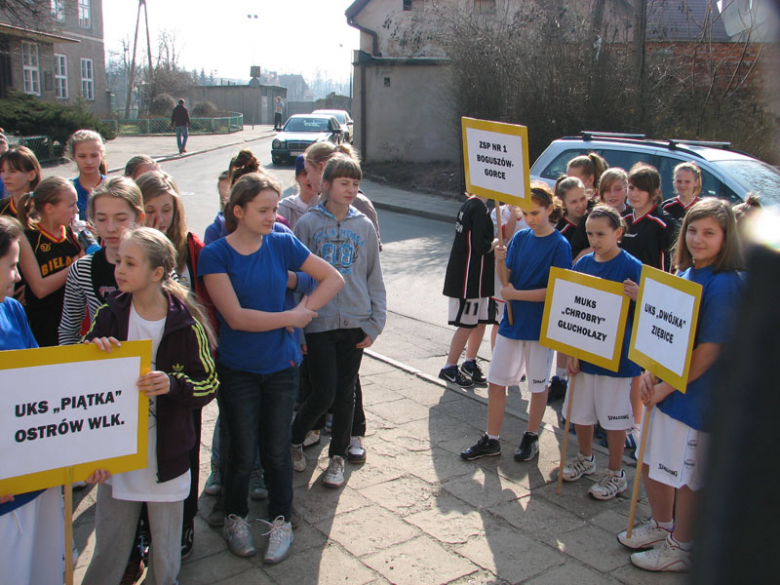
column 7, row 207
column 52, row 254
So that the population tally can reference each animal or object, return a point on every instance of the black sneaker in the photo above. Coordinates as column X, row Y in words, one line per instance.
column 187, row 539
column 529, row 447
column 452, row 374
column 472, row 370
column 557, row 389
column 485, row 447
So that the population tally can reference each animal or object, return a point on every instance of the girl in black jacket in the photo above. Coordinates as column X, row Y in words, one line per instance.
column 150, row 305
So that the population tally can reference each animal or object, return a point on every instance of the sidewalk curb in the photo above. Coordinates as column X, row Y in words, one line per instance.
column 167, row 158
column 436, row 381
column 413, row 211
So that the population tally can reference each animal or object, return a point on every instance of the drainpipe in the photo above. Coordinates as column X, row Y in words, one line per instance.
column 374, row 53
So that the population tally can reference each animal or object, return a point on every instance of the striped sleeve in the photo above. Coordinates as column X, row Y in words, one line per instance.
column 74, row 306
column 199, row 378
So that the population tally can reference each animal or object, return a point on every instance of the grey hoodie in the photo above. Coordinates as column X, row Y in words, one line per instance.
column 351, row 247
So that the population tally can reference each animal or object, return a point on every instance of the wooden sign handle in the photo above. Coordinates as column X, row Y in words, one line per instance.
column 68, row 493
column 638, row 478
column 565, row 435
column 502, row 265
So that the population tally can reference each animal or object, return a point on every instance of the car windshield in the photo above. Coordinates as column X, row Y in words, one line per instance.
column 307, row 125
column 338, row 115
column 755, row 176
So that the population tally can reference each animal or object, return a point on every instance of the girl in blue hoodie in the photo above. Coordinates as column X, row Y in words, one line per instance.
column 346, row 239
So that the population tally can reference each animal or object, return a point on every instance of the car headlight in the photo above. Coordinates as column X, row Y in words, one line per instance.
column 277, row 144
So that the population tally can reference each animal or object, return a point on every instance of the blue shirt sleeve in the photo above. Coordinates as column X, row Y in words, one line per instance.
column 562, row 258
column 294, row 251
column 213, row 259
column 716, row 316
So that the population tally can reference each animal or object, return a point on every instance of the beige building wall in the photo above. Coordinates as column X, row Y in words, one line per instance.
column 406, row 115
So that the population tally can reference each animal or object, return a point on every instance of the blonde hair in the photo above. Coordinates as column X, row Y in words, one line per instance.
column 243, row 191
column 321, row 152
column 48, row 191
column 160, row 253
column 341, row 165
column 155, row 184
column 122, row 188
column 730, row 255
column 137, row 161
column 80, row 136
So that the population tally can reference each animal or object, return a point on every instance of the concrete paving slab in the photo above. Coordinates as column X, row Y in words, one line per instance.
column 399, row 411
column 485, row 489
column 502, row 551
column 367, row 530
column 630, row 575
column 592, row 546
column 572, row 572
column 330, row 565
column 451, row 522
column 420, row 561
column 403, row 496
column 538, row 518
column 317, row 505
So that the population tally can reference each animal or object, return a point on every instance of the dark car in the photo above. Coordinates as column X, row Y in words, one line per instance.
column 301, row 131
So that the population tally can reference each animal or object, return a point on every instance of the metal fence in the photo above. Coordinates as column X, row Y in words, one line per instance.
column 42, row 146
column 233, row 122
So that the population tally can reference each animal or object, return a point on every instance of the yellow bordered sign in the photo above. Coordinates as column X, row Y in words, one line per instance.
column 585, row 317
column 495, row 157
column 61, row 408
column 667, row 311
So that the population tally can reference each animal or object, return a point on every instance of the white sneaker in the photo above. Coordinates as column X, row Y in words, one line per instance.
column 280, row 537
column 632, row 437
column 578, row 466
column 356, row 453
column 236, row 532
column 298, row 458
column 667, row 557
column 647, row 535
column 334, row 476
column 312, row 438
column 609, row 486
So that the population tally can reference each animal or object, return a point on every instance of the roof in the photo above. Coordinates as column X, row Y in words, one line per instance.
column 355, row 8
column 685, row 20
column 29, row 33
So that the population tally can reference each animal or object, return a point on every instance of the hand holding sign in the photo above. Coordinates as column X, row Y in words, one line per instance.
column 584, row 317
column 662, row 342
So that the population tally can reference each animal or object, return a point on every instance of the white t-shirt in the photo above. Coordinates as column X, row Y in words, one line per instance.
column 141, row 485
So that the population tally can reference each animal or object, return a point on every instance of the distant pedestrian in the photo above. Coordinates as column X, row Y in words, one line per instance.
column 180, row 121
column 278, row 109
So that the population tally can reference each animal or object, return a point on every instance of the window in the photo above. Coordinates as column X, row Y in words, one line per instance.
column 87, row 80
column 61, row 76
column 30, row 70
column 484, row 6
column 407, row 4
column 85, row 14
column 58, row 10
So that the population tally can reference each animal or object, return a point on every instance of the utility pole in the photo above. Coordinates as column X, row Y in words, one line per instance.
column 131, row 78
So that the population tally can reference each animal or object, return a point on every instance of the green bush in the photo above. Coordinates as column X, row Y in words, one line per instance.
column 28, row 116
column 205, row 110
column 162, row 105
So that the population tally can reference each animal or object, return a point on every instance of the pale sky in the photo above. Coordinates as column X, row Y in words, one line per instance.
column 288, row 36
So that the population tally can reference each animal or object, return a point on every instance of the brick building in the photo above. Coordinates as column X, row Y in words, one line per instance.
column 57, row 55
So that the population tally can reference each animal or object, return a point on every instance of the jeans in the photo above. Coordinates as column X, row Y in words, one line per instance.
column 257, row 408
column 182, row 133
column 334, row 362
column 277, row 121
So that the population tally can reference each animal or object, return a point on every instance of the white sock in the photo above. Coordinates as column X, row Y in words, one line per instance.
column 492, row 437
column 562, row 373
column 686, row 546
column 449, row 365
column 665, row 525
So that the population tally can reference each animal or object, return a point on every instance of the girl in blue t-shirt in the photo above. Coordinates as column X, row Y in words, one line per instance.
column 603, row 395
column 528, row 259
column 247, row 274
column 31, row 524
column 708, row 253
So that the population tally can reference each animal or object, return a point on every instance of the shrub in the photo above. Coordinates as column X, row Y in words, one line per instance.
column 205, row 110
column 28, row 116
column 162, row 105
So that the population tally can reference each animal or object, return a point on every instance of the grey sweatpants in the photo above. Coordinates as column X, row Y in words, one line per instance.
column 115, row 525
